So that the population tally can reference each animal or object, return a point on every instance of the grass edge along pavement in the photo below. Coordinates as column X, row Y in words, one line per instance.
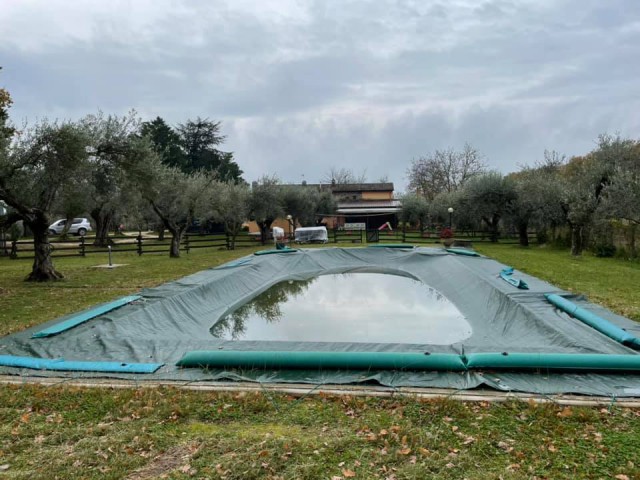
column 71, row 432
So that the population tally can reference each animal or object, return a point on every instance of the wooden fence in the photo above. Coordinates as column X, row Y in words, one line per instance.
column 144, row 245
column 141, row 244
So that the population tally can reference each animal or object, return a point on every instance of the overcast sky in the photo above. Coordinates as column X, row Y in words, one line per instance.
column 302, row 86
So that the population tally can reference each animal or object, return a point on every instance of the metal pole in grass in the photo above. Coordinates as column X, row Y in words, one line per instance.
column 110, row 264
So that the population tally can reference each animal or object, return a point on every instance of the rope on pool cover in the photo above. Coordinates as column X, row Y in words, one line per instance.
column 594, row 321
column 410, row 361
column 84, row 317
column 60, row 364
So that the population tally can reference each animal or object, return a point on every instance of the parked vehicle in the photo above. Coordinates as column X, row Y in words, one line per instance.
column 79, row 226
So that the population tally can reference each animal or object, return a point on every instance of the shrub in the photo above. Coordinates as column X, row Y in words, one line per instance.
column 446, row 233
column 605, row 250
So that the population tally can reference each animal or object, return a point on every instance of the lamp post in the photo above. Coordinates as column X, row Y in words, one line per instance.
column 450, row 210
column 290, row 220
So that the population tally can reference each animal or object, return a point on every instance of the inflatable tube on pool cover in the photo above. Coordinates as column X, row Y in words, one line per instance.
column 84, row 317
column 594, row 321
column 555, row 361
column 323, row 360
column 61, row 364
column 391, row 245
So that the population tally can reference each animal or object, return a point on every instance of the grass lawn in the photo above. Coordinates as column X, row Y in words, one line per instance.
column 68, row 432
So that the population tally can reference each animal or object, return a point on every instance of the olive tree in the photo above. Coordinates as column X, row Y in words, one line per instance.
column 621, row 196
column 265, row 204
column 229, row 203
column 175, row 196
column 306, row 204
column 115, row 146
column 461, row 218
column 35, row 166
column 489, row 197
column 415, row 211
column 537, row 202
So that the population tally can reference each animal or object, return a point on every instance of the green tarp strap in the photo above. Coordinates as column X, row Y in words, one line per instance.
column 84, row 317
column 594, row 321
column 506, row 273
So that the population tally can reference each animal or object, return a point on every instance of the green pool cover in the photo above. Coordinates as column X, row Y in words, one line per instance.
column 519, row 340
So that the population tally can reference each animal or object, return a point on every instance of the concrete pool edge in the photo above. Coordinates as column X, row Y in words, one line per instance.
column 304, row 390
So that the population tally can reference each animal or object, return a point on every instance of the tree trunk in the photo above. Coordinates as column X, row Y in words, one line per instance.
column 65, row 231
column 103, row 222
column 493, row 225
column 231, row 229
column 43, row 269
column 176, row 239
column 263, row 232
column 522, row 234
column 161, row 233
column 576, row 240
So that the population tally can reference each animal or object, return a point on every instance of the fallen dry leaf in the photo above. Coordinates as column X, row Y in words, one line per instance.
column 348, row 473
column 565, row 412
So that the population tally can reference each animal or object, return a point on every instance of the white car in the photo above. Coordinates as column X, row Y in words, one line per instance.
column 79, row 226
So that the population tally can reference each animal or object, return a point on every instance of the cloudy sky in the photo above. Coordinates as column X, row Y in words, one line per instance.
column 302, row 86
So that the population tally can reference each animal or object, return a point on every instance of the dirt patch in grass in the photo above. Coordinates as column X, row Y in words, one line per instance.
column 176, row 458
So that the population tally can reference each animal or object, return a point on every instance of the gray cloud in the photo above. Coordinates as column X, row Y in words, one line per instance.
column 303, row 86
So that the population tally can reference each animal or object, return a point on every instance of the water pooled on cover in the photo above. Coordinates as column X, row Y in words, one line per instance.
column 355, row 307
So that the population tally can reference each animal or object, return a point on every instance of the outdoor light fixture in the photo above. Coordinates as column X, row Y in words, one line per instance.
column 450, row 210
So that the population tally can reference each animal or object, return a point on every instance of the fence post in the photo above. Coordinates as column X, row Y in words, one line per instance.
column 139, row 242
column 404, row 233
column 82, row 251
column 186, row 242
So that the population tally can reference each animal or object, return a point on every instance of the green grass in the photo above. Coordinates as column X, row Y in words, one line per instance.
column 612, row 282
column 24, row 304
column 68, row 432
